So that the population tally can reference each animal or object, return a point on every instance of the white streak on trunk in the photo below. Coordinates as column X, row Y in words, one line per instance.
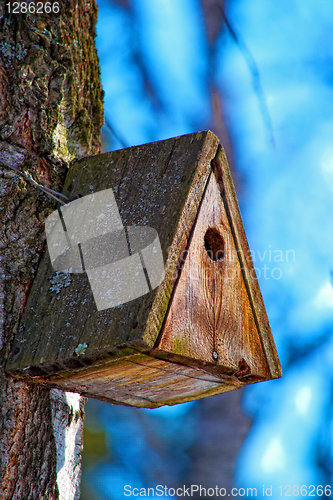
column 67, row 426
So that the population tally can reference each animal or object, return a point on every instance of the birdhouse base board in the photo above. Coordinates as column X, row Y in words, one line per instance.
column 144, row 381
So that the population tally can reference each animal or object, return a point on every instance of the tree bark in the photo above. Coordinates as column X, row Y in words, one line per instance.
column 51, row 112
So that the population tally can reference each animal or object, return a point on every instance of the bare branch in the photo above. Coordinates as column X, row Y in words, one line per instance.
column 46, row 190
column 256, row 80
column 115, row 134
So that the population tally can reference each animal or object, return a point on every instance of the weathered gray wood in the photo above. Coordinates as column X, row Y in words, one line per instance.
column 159, row 185
column 201, row 322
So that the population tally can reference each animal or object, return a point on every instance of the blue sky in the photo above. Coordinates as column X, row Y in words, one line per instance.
column 155, row 73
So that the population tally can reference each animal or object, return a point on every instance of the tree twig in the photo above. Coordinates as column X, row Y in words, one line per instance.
column 115, row 134
column 256, row 80
column 46, row 190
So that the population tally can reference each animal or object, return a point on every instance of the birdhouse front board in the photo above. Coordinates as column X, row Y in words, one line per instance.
column 146, row 293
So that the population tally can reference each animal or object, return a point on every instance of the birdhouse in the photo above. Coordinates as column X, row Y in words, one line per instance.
column 146, row 293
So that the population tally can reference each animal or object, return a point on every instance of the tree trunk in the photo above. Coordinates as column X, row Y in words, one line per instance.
column 51, row 111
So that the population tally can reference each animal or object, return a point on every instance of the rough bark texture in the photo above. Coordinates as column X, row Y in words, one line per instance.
column 51, row 111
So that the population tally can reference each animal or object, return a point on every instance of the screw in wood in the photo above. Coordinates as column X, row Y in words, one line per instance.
column 215, row 355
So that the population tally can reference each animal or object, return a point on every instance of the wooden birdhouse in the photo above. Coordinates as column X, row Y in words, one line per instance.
column 146, row 294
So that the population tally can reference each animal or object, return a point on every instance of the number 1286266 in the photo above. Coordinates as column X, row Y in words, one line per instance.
column 33, row 7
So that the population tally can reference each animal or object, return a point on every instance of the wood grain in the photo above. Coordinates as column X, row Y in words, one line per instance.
column 223, row 176
column 210, row 317
column 202, row 331
column 159, row 185
column 143, row 381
